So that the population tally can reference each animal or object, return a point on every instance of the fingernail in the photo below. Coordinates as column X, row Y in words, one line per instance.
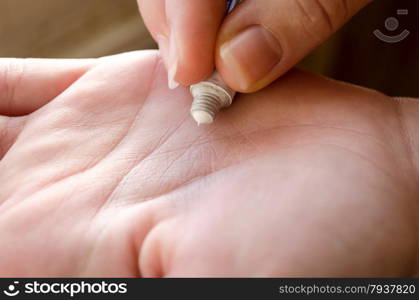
column 172, row 63
column 173, row 84
column 250, row 56
column 169, row 57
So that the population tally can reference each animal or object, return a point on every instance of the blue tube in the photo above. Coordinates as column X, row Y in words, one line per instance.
column 231, row 4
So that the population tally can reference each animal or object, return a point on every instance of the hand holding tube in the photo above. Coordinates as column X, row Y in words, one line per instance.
column 253, row 46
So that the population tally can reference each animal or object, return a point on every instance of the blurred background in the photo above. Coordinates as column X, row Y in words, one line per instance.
column 92, row 28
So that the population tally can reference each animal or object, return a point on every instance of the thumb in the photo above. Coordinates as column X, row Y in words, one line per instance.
column 262, row 39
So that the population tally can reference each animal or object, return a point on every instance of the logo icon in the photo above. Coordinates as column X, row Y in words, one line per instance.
column 11, row 289
column 392, row 24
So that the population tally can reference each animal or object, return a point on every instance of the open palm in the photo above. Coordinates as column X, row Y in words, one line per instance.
column 104, row 173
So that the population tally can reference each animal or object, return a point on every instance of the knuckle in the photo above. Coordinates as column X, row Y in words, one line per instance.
column 11, row 74
column 322, row 16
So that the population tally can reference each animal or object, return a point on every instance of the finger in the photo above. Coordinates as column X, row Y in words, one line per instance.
column 262, row 40
column 186, row 32
column 28, row 84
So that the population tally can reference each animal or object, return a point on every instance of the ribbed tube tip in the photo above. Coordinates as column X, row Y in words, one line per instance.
column 210, row 97
column 204, row 108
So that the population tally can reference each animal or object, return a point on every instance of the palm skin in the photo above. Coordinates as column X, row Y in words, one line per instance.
column 308, row 177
